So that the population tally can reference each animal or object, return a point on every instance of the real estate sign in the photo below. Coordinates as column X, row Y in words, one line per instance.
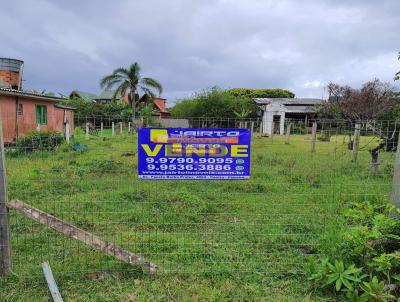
column 194, row 153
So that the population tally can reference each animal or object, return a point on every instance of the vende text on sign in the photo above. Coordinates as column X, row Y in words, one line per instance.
column 190, row 153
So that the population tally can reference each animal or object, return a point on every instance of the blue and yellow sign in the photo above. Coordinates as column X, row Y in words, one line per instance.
column 192, row 153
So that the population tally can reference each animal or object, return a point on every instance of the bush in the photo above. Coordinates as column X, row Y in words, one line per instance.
column 87, row 109
column 215, row 102
column 260, row 93
column 40, row 141
column 366, row 261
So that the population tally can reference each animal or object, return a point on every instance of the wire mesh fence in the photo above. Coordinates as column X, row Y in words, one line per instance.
column 301, row 180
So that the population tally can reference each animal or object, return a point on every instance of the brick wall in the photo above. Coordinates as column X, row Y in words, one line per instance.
column 9, row 78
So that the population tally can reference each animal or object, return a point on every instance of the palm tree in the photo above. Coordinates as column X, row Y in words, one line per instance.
column 130, row 81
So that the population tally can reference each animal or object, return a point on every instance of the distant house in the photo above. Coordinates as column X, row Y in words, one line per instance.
column 23, row 111
column 107, row 95
column 160, row 105
column 275, row 110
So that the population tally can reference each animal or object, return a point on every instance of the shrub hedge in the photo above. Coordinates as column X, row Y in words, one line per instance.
column 40, row 141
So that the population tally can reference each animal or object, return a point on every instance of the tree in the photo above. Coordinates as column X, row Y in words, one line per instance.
column 397, row 75
column 373, row 100
column 129, row 81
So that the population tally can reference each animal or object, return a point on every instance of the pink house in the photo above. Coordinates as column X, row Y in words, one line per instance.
column 23, row 112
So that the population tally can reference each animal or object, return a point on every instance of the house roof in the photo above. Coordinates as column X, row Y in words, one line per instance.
column 87, row 96
column 160, row 104
column 107, row 94
column 288, row 101
column 64, row 107
column 30, row 94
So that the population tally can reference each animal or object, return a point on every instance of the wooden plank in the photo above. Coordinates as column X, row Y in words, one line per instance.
column 5, row 246
column 87, row 238
column 53, row 288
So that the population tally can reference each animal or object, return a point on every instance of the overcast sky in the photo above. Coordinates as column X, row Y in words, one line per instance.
column 189, row 45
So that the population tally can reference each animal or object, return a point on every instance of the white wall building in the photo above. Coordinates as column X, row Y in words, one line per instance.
column 275, row 110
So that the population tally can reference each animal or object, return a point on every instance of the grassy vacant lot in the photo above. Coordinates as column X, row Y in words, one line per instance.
column 214, row 240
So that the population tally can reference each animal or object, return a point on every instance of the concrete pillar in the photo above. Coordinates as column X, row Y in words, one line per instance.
column 67, row 132
column 282, row 124
column 268, row 119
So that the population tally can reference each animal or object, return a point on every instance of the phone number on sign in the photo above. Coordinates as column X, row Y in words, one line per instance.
column 181, row 167
column 189, row 160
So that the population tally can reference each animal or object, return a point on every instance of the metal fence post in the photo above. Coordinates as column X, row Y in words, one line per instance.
column 356, row 142
column 314, row 136
column 287, row 139
column 5, row 247
column 396, row 179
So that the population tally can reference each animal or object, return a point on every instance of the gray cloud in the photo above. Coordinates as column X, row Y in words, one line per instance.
column 189, row 45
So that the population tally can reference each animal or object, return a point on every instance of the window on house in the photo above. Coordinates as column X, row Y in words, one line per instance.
column 20, row 109
column 41, row 114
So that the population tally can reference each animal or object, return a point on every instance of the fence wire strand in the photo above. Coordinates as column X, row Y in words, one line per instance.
column 271, row 223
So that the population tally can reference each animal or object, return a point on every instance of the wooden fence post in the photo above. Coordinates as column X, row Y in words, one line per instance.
column 261, row 127
column 252, row 127
column 112, row 129
column 87, row 131
column 272, row 132
column 120, row 127
column 395, row 198
column 288, row 127
column 314, row 136
column 356, row 142
column 5, row 247
column 129, row 127
column 101, row 128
